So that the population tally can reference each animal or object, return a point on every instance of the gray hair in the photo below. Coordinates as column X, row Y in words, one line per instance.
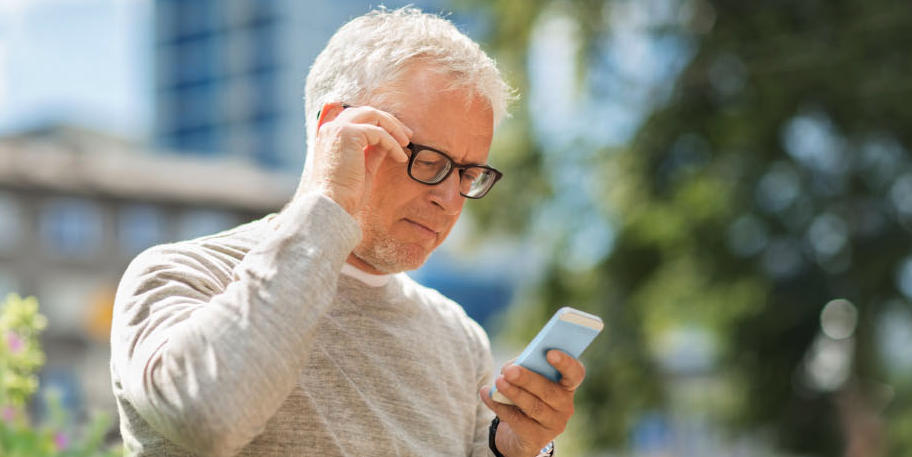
column 369, row 54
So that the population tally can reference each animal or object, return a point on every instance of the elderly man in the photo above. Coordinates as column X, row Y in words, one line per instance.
column 298, row 334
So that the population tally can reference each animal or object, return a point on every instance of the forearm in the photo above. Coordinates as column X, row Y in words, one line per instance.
column 210, row 367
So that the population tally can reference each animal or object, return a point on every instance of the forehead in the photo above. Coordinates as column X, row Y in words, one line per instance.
column 453, row 120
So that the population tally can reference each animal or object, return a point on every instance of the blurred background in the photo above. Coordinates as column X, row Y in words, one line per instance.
column 727, row 184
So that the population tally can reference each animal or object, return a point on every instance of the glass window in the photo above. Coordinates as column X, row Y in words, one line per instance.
column 72, row 227
column 140, row 227
column 264, row 43
column 265, row 150
column 194, row 16
column 200, row 140
column 10, row 223
column 201, row 222
column 193, row 106
column 195, row 59
column 264, row 94
column 65, row 300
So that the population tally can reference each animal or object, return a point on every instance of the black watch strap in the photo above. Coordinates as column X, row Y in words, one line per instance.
column 492, row 432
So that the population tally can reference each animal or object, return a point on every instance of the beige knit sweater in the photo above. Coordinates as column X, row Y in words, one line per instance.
column 250, row 342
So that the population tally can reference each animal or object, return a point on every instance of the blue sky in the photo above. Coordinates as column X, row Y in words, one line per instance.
column 81, row 61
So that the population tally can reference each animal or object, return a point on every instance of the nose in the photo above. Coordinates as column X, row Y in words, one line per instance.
column 446, row 195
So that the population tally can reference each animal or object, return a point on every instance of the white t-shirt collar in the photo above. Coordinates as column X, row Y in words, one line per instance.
column 365, row 277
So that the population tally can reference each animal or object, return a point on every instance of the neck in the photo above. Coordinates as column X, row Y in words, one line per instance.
column 356, row 262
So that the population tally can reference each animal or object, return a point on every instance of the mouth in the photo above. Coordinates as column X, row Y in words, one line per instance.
column 422, row 228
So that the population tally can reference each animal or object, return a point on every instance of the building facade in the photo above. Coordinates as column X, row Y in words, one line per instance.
column 229, row 74
column 76, row 206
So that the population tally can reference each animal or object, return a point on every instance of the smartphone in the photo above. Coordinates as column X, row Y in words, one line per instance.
column 569, row 330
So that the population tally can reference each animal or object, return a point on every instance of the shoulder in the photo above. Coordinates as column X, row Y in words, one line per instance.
column 202, row 261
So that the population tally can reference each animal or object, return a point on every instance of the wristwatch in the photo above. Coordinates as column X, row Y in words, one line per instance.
column 547, row 451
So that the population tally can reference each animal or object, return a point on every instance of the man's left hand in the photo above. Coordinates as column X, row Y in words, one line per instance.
column 542, row 408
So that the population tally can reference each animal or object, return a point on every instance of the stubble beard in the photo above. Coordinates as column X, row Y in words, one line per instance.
column 383, row 252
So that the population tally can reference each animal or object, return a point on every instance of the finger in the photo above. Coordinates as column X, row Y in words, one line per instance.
column 551, row 393
column 572, row 371
column 520, row 422
column 510, row 362
column 379, row 138
column 531, row 405
column 382, row 119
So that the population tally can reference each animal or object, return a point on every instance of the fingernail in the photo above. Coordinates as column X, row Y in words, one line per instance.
column 555, row 356
column 511, row 373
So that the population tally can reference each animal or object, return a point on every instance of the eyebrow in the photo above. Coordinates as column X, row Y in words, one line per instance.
column 470, row 164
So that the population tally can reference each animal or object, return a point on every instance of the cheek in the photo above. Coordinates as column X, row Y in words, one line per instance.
column 446, row 233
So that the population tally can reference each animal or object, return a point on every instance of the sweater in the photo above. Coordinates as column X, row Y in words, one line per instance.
column 250, row 342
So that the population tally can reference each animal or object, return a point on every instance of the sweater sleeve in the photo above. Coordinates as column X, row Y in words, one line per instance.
column 484, row 376
column 207, row 365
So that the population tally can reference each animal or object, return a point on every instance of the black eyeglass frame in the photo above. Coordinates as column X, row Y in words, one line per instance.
column 416, row 148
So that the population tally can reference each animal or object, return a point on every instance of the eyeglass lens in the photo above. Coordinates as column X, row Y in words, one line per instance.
column 431, row 167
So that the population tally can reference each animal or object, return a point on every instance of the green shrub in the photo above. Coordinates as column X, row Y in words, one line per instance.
column 20, row 358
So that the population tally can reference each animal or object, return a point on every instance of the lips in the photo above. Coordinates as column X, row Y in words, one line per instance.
column 428, row 227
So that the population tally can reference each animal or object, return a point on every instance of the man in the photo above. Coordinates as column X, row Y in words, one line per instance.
column 298, row 334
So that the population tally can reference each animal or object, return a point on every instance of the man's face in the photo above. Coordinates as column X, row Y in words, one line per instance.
column 404, row 220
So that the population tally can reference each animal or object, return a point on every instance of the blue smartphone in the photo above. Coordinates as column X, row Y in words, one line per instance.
column 569, row 330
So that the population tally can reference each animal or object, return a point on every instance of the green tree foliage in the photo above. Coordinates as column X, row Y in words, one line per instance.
column 20, row 358
column 769, row 176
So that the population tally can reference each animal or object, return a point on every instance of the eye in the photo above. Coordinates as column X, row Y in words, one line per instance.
column 430, row 160
column 473, row 174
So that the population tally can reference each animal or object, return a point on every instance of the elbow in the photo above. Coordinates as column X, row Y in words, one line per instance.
column 176, row 406
column 194, row 430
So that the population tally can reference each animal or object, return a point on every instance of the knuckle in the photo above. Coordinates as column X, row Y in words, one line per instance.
column 515, row 414
column 536, row 409
column 551, row 391
column 521, row 376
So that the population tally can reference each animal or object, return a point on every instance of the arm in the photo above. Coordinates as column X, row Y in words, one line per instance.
column 207, row 365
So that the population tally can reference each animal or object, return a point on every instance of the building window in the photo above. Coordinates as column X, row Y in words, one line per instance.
column 193, row 106
column 264, row 94
column 193, row 17
column 65, row 300
column 264, row 44
column 195, row 60
column 72, row 227
column 140, row 227
column 201, row 222
column 199, row 140
column 265, row 150
column 10, row 223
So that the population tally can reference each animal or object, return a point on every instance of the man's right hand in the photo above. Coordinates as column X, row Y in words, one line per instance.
column 351, row 144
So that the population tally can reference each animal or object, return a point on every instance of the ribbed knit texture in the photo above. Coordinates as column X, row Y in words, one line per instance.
column 251, row 343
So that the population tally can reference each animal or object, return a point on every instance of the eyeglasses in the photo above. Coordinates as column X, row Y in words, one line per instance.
column 430, row 166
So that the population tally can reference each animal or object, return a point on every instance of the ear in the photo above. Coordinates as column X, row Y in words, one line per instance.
column 328, row 113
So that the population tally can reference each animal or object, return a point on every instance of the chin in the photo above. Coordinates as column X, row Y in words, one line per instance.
column 393, row 257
